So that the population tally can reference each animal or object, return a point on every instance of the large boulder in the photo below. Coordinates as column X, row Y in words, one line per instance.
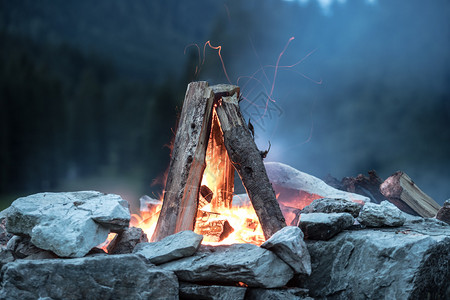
column 125, row 276
column 231, row 264
column 444, row 213
column 178, row 245
column 381, row 215
column 409, row 262
column 69, row 224
column 322, row 226
column 289, row 245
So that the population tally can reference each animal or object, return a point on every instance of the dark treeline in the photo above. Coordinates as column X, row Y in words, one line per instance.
column 92, row 89
column 66, row 115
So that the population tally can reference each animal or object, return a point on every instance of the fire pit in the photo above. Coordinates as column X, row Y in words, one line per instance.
column 207, row 243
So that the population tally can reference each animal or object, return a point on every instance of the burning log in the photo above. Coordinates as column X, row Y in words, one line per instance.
column 212, row 228
column 187, row 163
column 406, row 195
column 247, row 160
column 219, row 169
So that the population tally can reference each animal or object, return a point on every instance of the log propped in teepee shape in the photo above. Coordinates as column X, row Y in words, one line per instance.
column 188, row 162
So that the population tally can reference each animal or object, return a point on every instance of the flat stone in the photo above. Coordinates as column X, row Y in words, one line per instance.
column 408, row 262
column 211, row 292
column 175, row 246
column 125, row 276
column 69, row 224
column 444, row 213
column 127, row 240
column 278, row 294
column 288, row 245
column 322, row 226
column 332, row 205
column 231, row 264
column 381, row 215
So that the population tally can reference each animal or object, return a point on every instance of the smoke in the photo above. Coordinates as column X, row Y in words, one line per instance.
column 371, row 91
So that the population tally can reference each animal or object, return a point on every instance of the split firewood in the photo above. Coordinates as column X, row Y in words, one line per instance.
column 246, row 159
column 212, row 228
column 219, row 168
column 187, row 163
column 406, row 195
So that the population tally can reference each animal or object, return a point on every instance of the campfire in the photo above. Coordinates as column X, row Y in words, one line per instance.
column 51, row 243
column 212, row 141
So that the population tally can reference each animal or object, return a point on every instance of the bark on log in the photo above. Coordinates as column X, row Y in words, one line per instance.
column 406, row 195
column 247, row 160
column 187, row 163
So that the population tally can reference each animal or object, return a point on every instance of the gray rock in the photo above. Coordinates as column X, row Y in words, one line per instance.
column 127, row 240
column 322, row 226
column 277, row 294
column 381, row 215
column 6, row 256
column 23, row 248
column 288, row 244
column 69, row 224
column 444, row 213
column 4, row 235
column 230, row 264
column 124, row 276
column 409, row 262
column 331, row 205
column 211, row 292
column 178, row 245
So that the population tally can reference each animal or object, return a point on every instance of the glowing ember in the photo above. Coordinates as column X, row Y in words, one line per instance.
column 105, row 244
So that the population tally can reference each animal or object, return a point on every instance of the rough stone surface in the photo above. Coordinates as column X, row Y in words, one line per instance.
column 124, row 276
column 127, row 240
column 4, row 235
column 409, row 262
column 322, row 226
column 286, row 176
column 331, row 205
column 211, row 292
column 288, row 244
column 23, row 248
column 277, row 294
column 230, row 264
column 69, row 224
column 444, row 213
column 381, row 215
column 178, row 245
column 6, row 256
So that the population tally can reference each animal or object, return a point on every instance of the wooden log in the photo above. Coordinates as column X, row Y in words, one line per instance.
column 363, row 185
column 212, row 228
column 219, row 168
column 406, row 195
column 246, row 159
column 187, row 163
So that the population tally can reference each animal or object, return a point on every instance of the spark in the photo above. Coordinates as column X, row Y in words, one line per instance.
column 219, row 50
